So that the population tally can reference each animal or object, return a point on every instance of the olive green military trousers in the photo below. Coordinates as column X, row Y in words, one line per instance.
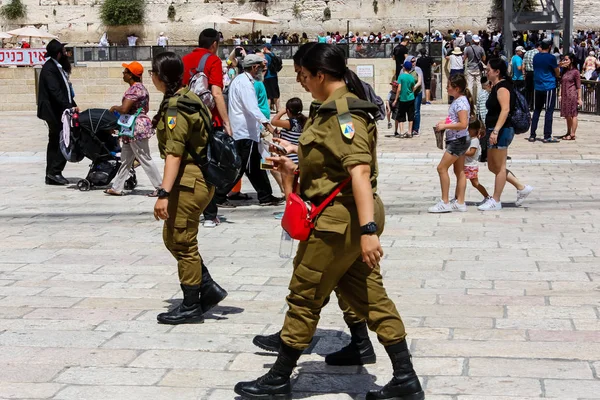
column 332, row 257
column 187, row 200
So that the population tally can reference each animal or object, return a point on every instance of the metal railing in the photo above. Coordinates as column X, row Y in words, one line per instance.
column 286, row 52
column 591, row 97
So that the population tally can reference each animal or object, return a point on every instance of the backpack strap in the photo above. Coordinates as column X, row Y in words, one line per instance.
column 202, row 63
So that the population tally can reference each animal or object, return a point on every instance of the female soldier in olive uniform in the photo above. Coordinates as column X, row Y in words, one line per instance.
column 360, row 350
column 343, row 250
column 183, row 194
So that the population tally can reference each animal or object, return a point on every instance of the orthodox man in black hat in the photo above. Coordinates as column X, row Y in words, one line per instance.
column 55, row 95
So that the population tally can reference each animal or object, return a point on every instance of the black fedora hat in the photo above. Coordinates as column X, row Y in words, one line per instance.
column 54, row 47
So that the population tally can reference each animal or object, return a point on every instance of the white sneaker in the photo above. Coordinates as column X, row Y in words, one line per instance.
column 458, row 207
column 522, row 195
column 490, row 205
column 211, row 223
column 485, row 200
column 440, row 207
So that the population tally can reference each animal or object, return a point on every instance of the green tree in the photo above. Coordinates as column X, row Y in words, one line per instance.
column 123, row 12
column 13, row 10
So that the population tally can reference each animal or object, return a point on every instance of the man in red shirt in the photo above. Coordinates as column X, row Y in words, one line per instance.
column 208, row 42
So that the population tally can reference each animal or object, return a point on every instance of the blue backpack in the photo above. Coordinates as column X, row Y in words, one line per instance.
column 520, row 117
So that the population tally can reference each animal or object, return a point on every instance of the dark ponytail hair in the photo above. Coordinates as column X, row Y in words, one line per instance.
column 294, row 106
column 459, row 82
column 331, row 60
column 168, row 67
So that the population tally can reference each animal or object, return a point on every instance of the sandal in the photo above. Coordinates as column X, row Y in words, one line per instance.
column 113, row 192
column 407, row 135
column 568, row 137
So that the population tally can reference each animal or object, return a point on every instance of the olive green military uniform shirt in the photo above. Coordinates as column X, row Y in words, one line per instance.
column 180, row 123
column 325, row 153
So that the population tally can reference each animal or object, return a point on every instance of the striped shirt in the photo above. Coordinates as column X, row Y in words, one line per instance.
column 292, row 136
column 528, row 59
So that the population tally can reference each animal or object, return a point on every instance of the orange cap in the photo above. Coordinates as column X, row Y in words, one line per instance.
column 135, row 68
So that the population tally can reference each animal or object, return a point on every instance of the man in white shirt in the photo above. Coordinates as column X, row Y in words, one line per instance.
column 132, row 40
column 247, row 121
column 162, row 40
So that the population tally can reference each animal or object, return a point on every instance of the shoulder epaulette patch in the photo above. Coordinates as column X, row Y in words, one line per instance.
column 172, row 117
column 346, row 125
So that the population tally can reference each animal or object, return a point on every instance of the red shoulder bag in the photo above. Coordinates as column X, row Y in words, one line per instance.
column 299, row 215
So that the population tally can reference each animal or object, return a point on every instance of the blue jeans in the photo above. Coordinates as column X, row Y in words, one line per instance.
column 417, row 122
column 543, row 99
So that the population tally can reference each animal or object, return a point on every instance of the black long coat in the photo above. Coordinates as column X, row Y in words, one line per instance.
column 53, row 95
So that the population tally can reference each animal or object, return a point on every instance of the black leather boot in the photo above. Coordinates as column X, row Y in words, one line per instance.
column 405, row 384
column 268, row 342
column 275, row 384
column 212, row 293
column 188, row 312
column 359, row 352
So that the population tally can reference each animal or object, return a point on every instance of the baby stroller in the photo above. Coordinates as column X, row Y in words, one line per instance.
column 97, row 143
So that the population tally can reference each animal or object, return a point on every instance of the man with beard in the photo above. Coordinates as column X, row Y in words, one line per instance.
column 246, row 119
column 55, row 95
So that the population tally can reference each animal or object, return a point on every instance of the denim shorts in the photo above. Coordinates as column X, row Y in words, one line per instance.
column 458, row 147
column 505, row 138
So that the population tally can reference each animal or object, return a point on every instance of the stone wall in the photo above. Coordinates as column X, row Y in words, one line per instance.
column 100, row 85
column 77, row 21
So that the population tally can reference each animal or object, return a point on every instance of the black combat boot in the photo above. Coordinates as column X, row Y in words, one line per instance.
column 212, row 293
column 405, row 384
column 268, row 342
column 188, row 312
column 360, row 350
column 275, row 385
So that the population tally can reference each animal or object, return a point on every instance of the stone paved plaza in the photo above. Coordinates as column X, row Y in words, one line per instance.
column 498, row 306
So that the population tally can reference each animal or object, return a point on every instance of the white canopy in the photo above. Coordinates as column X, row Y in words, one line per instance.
column 31, row 32
column 255, row 18
column 5, row 35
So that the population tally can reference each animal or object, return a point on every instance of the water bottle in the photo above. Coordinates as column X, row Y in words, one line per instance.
column 286, row 245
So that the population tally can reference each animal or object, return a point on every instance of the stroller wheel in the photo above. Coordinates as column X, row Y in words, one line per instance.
column 84, row 185
column 131, row 183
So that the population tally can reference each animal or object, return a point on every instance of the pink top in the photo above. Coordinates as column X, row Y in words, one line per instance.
column 141, row 99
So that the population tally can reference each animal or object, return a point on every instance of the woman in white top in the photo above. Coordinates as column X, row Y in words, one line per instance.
column 457, row 64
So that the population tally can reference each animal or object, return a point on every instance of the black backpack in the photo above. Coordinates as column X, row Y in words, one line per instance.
column 373, row 98
column 220, row 163
column 276, row 64
column 520, row 117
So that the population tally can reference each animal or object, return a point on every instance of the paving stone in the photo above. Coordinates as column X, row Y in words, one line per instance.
column 129, row 393
column 178, row 359
column 12, row 390
column 77, row 339
column 524, row 368
column 25, row 373
column 484, row 386
column 111, row 376
column 577, row 388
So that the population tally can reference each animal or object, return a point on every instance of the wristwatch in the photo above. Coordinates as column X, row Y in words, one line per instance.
column 368, row 229
column 162, row 194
